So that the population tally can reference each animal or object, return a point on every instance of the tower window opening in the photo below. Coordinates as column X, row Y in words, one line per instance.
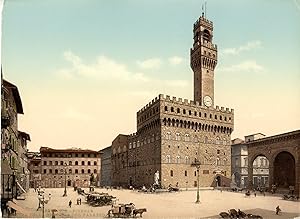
column 206, row 35
column 166, row 108
column 172, row 109
column 178, row 110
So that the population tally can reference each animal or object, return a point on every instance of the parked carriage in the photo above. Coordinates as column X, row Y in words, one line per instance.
column 291, row 197
column 125, row 211
column 100, row 199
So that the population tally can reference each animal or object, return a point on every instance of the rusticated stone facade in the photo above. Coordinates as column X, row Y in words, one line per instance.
column 283, row 154
column 78, row 164
column 172, row 133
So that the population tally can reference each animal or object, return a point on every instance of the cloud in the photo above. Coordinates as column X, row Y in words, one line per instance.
column 248, row 66
column 104, row 69
column 248, row 46
column 153, row 63
column 175, row 60
column 297, row 3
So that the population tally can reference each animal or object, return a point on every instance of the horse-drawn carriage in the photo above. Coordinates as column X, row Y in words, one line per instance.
column 125, row 210
column 290, row 197
column 100, row 199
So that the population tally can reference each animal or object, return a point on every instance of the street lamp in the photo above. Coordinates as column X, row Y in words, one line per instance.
column 65, row 192
column 197, row 165
column 43, row 201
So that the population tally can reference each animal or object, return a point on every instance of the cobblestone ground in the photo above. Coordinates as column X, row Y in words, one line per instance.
column 163, row 205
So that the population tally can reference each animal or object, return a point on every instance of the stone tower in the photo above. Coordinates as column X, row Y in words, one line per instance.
column 203, row 61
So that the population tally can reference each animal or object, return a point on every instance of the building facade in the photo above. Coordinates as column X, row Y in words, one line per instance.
column 23, row 160
column 72, row 167
column 173, row 133
column 239, row 164
column 14, row 172
column 282, row 153
column 35, row 169
column 105, row 155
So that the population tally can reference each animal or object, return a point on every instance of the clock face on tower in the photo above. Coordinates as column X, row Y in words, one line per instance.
column 207, row 101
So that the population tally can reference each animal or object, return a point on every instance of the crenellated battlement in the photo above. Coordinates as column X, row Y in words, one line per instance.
column 202, row 21
column 148, row 105
column 133, row 135
column 205, row 44
column 192, row 103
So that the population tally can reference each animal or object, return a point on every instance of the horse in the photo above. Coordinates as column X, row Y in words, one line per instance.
column 139, row 211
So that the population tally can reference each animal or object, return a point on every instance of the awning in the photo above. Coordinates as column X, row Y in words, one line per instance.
column 19, row 209
column 23, row 190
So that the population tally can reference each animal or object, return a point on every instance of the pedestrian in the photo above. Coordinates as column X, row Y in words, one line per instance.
column 264, row 193
column 80, row 201
column 278, row 210
column 254, row 194
column 39, row 204
column 70, row 203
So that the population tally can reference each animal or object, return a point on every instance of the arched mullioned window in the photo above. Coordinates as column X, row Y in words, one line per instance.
column 187, row 137
column 218, row 161
column 187, row 160
column 205, row 139
column 168, row 136
column 178, row 159
column 168, row 159
column 217, row 140
column 196, row 138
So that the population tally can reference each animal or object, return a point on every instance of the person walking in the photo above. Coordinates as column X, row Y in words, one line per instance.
column 278, row 210
column 70, row 203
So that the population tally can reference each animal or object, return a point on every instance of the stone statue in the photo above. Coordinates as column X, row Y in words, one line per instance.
column 156, row 177
column 233, row 179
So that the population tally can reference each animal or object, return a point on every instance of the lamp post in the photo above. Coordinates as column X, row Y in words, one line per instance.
column 197, row 165
column 41, row 197
column 65, row 192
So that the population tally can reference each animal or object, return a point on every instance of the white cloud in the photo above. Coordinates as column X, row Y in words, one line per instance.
column 175, row 60
column 104, row 68
column 297, row 3
column 248, row 66
column 153, row 63
column 248, row 46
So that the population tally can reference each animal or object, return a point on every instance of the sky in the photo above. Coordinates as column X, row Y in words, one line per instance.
column 85, row 67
